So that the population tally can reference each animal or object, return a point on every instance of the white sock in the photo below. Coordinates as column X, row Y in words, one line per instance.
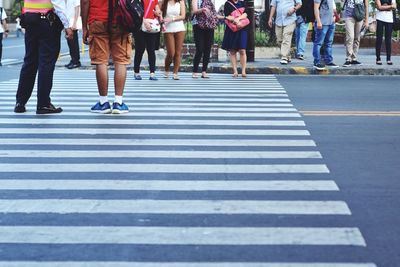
column 118, row 99
column 103, row 99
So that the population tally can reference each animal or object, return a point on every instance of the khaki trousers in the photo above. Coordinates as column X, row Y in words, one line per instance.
column 284, row 38
column 352, row 42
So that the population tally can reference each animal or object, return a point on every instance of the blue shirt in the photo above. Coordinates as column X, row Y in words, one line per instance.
column 326, row 11
column 282, row 8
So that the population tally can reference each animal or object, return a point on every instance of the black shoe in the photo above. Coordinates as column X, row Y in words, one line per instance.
column 319, row 67
column 347, row 63
column 68, row 65
column 19, row 108
column 74, row 65
column 49, row 109
column 332, row 65
column 355, row 62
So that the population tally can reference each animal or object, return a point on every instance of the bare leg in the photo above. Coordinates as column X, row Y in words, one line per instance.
column 119, row 79
column 234, row 62
column 243, row 61
column 102, row 79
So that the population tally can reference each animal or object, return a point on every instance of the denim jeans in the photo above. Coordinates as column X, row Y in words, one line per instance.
column 323, row 37
column 301, row 35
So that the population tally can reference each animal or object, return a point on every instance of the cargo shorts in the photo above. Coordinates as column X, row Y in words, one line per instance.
column 100, row 44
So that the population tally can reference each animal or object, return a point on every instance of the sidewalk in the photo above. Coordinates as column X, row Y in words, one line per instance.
column 264, row 64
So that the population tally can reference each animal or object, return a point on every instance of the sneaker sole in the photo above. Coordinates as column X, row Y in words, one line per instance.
column 117, row 111
column 107, row 111
column 320, row 69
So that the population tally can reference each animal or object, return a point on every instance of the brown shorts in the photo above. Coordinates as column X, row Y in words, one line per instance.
column 99, row 44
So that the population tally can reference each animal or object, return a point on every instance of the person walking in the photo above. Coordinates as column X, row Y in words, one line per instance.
column 235, row 41
column 285, row 24
column 204, row 22
column 146, row 39
column 174, row 13
column 106, row 38
column 18, row 27
column 3, row 30
column 44, row 21
column 384, row 19
column 353, row 28
column 324, row 27
column 301, row 30
column 73, row 9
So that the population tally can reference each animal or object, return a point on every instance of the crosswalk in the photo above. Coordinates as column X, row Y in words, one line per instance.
column 201, row 173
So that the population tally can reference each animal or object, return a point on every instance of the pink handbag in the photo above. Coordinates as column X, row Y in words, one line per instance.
column 237, row 13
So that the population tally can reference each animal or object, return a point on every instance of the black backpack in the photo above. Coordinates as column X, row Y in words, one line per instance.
column 307, row 10
column 131, row 14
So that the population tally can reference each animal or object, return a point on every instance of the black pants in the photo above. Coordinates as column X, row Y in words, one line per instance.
column 203, row 39
column 388, row 39
column 148, row 41
column 1, row 46
column 42, row 46
column 73, row 45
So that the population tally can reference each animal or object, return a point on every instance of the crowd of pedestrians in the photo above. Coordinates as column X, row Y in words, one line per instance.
column 43, row 21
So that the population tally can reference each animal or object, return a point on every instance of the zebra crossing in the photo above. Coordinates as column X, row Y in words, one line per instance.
column 200, row 173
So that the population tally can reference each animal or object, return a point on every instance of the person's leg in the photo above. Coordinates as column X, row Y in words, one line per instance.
column 75, row 56
column 279, row 37
column 49, row 49
column 234, row 61
column 1, row 46
column 243, row 61
column 388, row 40
column 301, row 43
column 102, row 79
column 297, row 35
column 169, row 40
column 328, row 42
column 287, row 40
column 29, row 68
column 208, row 42
column 357, row 35
column 379, row 37
column 318, row 41
column 119, row 79
column 151, row 39
column 198, row 35
column 350, row 35
column 179, row 39
column 140, row 46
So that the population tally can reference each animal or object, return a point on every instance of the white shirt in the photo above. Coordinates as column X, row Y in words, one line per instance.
column 71, row 5
column 385, row 16
column 61, row 11
column 3, row 17
column 174, row 10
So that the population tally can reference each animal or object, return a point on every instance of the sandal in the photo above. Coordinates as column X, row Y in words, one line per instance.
column 235, row 75
column 389, row 62
column 205, row 76
column 194, row 76
column 378, row 62
column 176, row 77
column 166, row 74
column 244, row 75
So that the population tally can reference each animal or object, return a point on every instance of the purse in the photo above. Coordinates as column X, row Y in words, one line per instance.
column 154, row 23
column 237, row 13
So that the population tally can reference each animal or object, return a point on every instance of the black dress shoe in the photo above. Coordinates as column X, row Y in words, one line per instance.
column 74, row 65
column 68, row 65
column 49, row 109
column 19, row 108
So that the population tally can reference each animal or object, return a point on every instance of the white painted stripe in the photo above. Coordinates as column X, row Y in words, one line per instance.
column 209, row 99
column 161, row 154
column 86, row 112
column 176, row 264
column 157, row 142
column 194, row 105
column 181, row 235
column 101, row 121
column 170, row 185
column 68, row 206
column 161, row 94
column 167, row 168
column 159, row 90
column 133, row 113
column 208, row 132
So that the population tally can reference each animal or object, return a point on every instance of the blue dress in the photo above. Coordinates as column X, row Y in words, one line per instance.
column 234, row 40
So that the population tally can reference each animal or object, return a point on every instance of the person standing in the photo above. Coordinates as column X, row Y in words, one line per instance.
column 353, row 30
column 73, row 9
column 174, row 13
column 3, row 30
column 204, row 22
column 285, row 24
column 147, row 40
column 18, row 27
column 43, row 21
column 105, row 37
column 235, row 41
column 384, row 19
column 324, row 26
column 301, row 30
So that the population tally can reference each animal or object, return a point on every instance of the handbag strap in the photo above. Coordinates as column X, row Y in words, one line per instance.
column 232, row 4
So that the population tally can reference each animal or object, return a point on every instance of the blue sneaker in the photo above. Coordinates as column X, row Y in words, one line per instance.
column 153, row 78
column 118, row 108
column 137, row 77
column 99, row 108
